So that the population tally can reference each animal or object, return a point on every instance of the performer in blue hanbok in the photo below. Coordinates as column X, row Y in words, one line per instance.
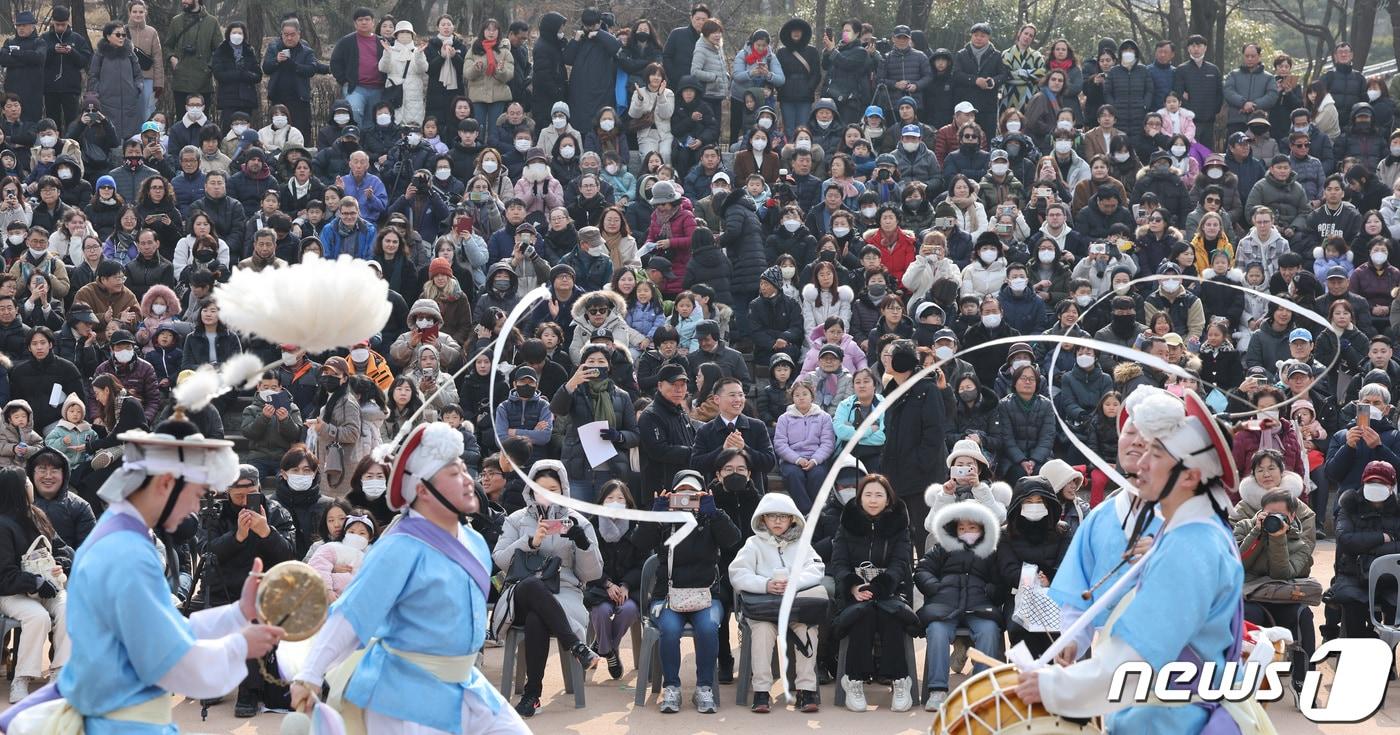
column 416, row 611
column 1095, row 558
column 1186, row 603
column 131, row 646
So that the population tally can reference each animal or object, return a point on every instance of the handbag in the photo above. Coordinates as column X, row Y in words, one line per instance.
column 39, row 560
column 685, row 599
column 1034, row 610
column 525, row 564
column 638, row 124
column 393, row 93
column 1304, row 590
column 809, row 607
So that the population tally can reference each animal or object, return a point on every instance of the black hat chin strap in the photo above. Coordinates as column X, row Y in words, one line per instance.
column 461, row 517
column 169, row 508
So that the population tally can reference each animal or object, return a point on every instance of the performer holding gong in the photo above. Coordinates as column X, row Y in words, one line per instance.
column 1186, row 604
column 416, row 609
column 132, row 648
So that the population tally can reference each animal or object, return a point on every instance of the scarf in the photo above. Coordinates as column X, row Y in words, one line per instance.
column 600, row 396
column 614, row 243
column 447, row 76
column 1063, row 65
column 611, row 529
column 489, row 46
column 754, row 56
column 827, row 388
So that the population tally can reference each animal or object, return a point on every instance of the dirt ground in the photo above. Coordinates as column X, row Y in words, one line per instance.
column 610, row 709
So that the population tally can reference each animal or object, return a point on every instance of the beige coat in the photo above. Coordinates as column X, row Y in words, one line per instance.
column 661, row 106
column 494, row 88
column 415, row 82
column 338, row 444
column 147, row 39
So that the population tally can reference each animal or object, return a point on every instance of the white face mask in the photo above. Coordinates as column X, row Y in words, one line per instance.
column 909, row 147
column 300, row 482
column 1379, row 257
column 289, row 358
column 374, row 488
column 1084, row 300
column 1018, row 284
column 970, row 538
column 1034, row 512
column 158, row 309
column 1178, row 150
column 235, row 39
column 1064, row 125
column 615, row 505
column 823, row 124
column 279, row 121
column 991, row 321
column 943, row 352
column 1084, row 361
column 804, row 145
column 194, row 113
column 840, row 232
column 538, row 170
column 267, row 395
column 566, row 152
column 359, row 354
column 874, row 131
column 1018, row 364
column 1046, row 256
column 443, row 174
column 791, row 225
column 424, row 323
column 868, row 212
column 341, row 118
column 759, row 143
column 414, row 139
column 1120, row 288
column 611, row 169
column 123, row 356
column 355, row 540
column 1013, row 126
column 1375, row 491
column 607, row 125
column 1128, row 58
column 1214, row 173
column 765, row 123
column 383, row 118
column 999, row 169
column 1063, row 146
column 1373, row 94
column 788, row 272
column 1120, row 156
column 987, row 256
column 845, row 494
column 1395, row 151
column 560, row 122
column 1171, row 285
column 15, row 239
column 66, row 174
column 522, row 145
column 48, row 141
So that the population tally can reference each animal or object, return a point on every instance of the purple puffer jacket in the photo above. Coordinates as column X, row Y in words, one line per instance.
column 804, row 437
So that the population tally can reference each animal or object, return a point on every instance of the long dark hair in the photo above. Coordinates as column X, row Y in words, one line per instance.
column 114, row 393
column 15, row 503
column 413, row 403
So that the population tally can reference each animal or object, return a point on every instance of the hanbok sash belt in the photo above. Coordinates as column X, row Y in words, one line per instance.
column 454, row 669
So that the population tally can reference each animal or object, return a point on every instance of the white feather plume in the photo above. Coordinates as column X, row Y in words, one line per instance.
column 241, row 372
column 196, row 391
column 317, row 304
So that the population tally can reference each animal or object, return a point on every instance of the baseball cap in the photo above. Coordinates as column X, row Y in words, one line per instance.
column 964, row 107
column 831, row 350
column 1173, row 339
column 1300, row 334
column 1337, row 271
column 912, row 130
column 671, row 372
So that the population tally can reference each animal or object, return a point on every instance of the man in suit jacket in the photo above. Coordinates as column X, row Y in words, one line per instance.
column 733, row 429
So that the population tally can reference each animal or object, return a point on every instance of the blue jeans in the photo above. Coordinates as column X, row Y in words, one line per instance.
column 795, row 114
column 362, row 101
column 486, row 113
column 802, row 484
column 148, row 99
column 705, row 623
column 986, row 637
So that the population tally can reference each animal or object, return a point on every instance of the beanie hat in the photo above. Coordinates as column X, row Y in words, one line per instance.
column 439, row 267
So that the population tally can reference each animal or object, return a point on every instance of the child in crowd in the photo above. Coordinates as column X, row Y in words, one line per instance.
column 773, row 396
column 17, row 440
column 166, row 355
column 453, row 416
column 72, row 435
column 685, row 318
column 338, row 560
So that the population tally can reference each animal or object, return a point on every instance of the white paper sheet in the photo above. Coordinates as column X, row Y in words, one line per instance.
column 56, row 395
column 595, row 447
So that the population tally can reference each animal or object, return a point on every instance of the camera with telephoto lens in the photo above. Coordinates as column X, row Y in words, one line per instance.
column 1274, row 522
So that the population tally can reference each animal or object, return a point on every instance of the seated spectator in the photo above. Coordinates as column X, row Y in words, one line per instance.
column 612, row 599
column 1368, row 527
column 340, row 556
column 850, row 413
column 37, row 601
column 804, row 441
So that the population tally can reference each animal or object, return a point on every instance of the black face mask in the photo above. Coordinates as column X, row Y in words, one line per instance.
column 877, row 291
column 968, row 149
column 828, row 256
column 525, row 391
column 204, row 256
column 736, row 483
column 968, row 395
column 328, row 383
column 1124, row 324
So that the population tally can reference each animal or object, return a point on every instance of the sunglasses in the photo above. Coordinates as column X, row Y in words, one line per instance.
column 598, row 312
column 969, row 139
column 1212, row 200
column 119, row 35
column 1302, row 144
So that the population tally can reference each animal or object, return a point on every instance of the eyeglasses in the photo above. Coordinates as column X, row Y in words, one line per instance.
column 727, row 471
column 969, row 139
column 119, row 35
column 598, row 312
column 1302, row 144
column 1212, row 200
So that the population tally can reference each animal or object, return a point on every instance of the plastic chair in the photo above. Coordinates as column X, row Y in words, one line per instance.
column 574, row 680
column 10, row 654
column 1384, row 566
column 648, row 656
column 743, row 682
column 910, row 661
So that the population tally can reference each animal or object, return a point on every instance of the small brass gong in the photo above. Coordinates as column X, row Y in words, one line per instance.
column 293, row 597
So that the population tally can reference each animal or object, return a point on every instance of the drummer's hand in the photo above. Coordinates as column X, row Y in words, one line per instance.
column 262, row 639
column 248, row 601
column 303, row 696
column 1068, row 655
column 1028, row 690
column 1142, row 546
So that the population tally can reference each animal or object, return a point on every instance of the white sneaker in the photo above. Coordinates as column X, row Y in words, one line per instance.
column 19, row 689
column 670, row 700
column 903, row 696
column 935, row 700
column 855, row 694
column 704, row 700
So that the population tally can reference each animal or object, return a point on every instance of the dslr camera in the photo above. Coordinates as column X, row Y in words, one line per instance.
column 1274, row 522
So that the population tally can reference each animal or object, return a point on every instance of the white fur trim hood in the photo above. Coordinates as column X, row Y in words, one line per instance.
column 1251, row 493
column 969, row 510
column 843, row 293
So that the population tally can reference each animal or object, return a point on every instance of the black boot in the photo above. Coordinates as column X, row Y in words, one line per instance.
column 761, row 703
column 614, row 665
column 247, row 704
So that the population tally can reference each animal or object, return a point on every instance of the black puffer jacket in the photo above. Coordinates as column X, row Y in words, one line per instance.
column 667, row 437
column 956, row 578
column 981, row 416
column 1171, row 193
column 801, row 79
column 801, row 245
column 1042, row 543
column 71, row 516
column 885, row 543
column 233, row 559
column 307, row 507
column 622, row 564
column 709, row 264
column 697, row 557
column 742, row 239
column 1360, row 526
column 1026, row 434
column 914, row 442
column 238, row 77
column 14, row 543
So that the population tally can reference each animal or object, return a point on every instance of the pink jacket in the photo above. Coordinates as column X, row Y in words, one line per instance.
column 852, row 357
column 323, row 561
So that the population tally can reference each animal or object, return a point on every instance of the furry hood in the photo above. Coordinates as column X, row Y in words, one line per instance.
column 777, row 503
column 784, row 35
column 843, row 293
column 1001, row 492
column 619, row 305
column 545, row 464
column 1251, row 493
column 1125, row 371
column 161, row 293
column 17, row 403
column 944, row 527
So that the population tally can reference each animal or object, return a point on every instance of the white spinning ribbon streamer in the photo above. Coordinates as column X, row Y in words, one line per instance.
column 685, row 518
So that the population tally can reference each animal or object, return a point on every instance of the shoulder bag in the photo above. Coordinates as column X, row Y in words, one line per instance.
column 684, row 599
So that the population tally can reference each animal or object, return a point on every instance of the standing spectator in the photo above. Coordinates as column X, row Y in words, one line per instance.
column 115, row 77
column 289, row 64
column 1199, row 84
column 1250, row 91
column 979, row 71
column 592, row 395
column 446, row 52
column 1345, row 83
column 23, row 57
column 801, row 66
column 1128, row 87
column 192, row 37
column 551, row 83
column 238, row 70
column 653, row 100
column 355, row 65
column 404, row 65
column 145, row 40
column 755, row 66
column 69, row 54
column 592, row 56
column 1162, row 72
column 849, row 64
column 914, row 449
column 905, row 70
column 680, row 43
column 707, row 67
column 1025, row 69
column 666, row 432
column 489, row 67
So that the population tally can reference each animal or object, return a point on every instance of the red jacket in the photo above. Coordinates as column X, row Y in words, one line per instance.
column 898, row 258
column 676, row 231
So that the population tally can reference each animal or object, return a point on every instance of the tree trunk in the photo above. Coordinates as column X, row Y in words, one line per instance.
column 1393, row 8
column 1363, row 27
column 820, row 26
column 1176, row 24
